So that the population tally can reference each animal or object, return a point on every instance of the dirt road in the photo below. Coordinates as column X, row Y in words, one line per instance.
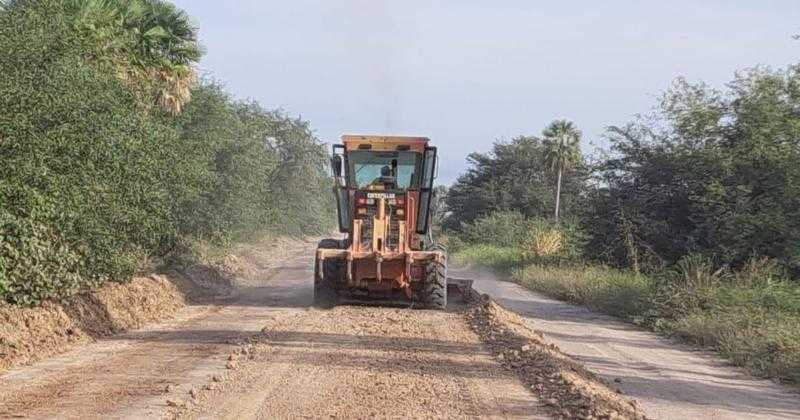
column 263, row 353
column 669, row 380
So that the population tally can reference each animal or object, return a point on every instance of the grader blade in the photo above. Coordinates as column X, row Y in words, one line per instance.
column 461, row 287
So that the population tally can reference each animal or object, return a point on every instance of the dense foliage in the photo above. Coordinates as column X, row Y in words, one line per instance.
column 514, row 176
column 247, row 169
column 94, row 182
column 711, row 172
column 708, row 172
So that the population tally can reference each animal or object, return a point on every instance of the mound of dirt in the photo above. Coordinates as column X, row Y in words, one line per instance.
column 248, row 262
column 563, row 384
column 203, row 283
column 30, row 334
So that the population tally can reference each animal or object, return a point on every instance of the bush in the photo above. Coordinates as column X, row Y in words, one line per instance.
column 533, row 239
column 499, row 228
column 84, row 172
column 503, row 259
column 550, row 243
column 93, row 183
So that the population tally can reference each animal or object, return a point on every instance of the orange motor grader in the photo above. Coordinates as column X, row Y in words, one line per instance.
column 384, row 189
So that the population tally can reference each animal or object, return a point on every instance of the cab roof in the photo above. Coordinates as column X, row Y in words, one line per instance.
column 384, row 143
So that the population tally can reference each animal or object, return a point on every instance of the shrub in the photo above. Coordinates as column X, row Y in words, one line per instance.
column 697, row 271
column 544, row 242
column 93, row 183
column 499, row 228
column 549, row 243
column 503, row 259
column 761, row 270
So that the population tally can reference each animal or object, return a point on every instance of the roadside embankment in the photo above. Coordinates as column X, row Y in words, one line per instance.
column 31, row 334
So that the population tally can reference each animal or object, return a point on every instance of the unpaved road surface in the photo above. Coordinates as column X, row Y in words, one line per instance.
column 356, row 362
column 263, row 353
column 669, row 380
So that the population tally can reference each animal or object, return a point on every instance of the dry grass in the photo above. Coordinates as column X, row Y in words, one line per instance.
column 545, row 242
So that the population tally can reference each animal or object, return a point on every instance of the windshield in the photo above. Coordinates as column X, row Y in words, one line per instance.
column 393, row 170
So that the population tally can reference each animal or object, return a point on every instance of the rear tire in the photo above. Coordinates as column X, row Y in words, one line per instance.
column 433, row 293
column 325, row 294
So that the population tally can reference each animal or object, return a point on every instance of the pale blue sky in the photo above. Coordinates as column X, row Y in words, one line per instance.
column 469, row 72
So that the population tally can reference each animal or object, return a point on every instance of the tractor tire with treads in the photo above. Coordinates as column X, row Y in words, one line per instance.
column 325, row 294
column 433, row 293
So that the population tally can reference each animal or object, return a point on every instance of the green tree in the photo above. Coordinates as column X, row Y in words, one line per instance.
column 512, row 177
column 93, row 185
column 562, row 151
column 85, row 176
column 152, row 44
column 710, row 172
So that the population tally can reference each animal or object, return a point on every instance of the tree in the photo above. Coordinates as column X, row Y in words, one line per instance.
column 562, row 151
column 510, row 178
column 151, row 43
column 113, row 185
column 167, row 43
column 709, row 172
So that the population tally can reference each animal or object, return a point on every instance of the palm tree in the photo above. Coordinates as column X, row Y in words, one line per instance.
column 168, row 45
column 562, row 150
column 151, row 43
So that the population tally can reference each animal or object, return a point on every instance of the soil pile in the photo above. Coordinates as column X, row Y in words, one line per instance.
column 564, row 385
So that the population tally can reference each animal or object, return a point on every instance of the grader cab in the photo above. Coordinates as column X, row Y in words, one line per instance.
column 383, row 188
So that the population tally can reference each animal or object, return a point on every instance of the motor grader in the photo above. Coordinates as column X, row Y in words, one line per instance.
column 384, row 189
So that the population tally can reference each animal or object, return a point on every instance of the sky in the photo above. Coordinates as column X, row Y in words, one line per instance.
column 467, row 73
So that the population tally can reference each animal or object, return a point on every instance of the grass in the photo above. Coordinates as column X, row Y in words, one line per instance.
column 498, row 258
column 752, row 318
column 614, row 292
